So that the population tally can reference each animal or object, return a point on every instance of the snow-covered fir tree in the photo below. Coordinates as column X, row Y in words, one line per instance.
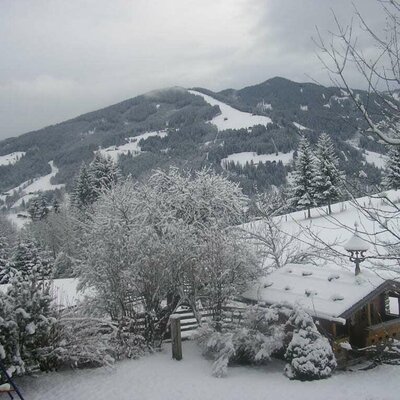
column 83, row 193
column 100, row 175
column 104, row 172
column 4, row 254
column 391, row 179
column 303, row 192
column 26, row 259
column 327, row 176
column 38, row 209
column 33, row 314
column 309, row 353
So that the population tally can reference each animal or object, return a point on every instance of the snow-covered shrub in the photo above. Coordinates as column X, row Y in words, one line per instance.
column 309, row 354
column 254, row 341
column 278, row 330
column 80, row 340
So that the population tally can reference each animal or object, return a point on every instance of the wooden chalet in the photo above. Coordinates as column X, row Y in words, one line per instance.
column 361, row 309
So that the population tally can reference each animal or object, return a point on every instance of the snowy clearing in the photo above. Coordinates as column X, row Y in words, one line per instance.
column 158, row 377
column 303, row 107
column 379, row 160
column 231, row 118
column 248, row 157
column 132, row 145
column 39, row 185
column 11, row 158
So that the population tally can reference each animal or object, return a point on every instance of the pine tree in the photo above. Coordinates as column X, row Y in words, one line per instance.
column 327, row 178
column 392, row 177
column 303, row 192
column 3, row 259
column 83, row 193
column 56, row 206
column 104, row 172
column 33, row 315
column 25, row 260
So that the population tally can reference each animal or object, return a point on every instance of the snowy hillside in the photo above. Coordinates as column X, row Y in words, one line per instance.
column 230, row 118
column 248, row 157
column 337, row 228
column 11, row 158
column 132, row 145
column 38, row 185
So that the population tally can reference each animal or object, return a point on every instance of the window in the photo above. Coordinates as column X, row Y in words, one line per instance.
column 392, row 306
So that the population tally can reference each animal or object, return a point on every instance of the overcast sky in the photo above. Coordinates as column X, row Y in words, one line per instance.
column 59, row 59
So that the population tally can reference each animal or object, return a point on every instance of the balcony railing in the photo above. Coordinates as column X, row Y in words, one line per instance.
column 383, row 331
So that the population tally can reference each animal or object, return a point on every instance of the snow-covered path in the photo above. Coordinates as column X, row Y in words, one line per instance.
column 157, row 377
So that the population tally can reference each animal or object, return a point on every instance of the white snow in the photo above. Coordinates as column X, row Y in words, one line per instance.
column 132, row 145
column 324, row 292
column 379, row 160
column 327, row 105
column 303, row 107
column 38, row 185
column 11, row 158
column 65, row 291
column 300, row 127
column 231, row 118
column 158, row 377
column 248, row 156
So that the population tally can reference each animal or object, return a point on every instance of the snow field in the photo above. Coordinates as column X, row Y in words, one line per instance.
column 11, row 158
column 131, row 146
column 158, row 377
column 39, row 185
column 231, row 118
column 248, row 156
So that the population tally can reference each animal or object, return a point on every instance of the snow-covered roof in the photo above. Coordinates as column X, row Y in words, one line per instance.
column 325, row 292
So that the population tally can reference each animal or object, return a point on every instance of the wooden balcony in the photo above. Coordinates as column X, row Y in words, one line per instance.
column 383, row 331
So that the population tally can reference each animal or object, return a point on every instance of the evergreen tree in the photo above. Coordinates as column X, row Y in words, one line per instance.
column 104, row 172
column 303, row 192
column 83, row 193
column 56, row 206
column 327, row 178
column 3, row 258
column 34, row 210
column 25, row 260
column 33, row 315
column 392, row 177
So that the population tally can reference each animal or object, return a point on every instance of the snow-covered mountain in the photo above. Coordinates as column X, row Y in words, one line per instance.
column 257, row 126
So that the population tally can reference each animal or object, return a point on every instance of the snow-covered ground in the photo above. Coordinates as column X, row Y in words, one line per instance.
column 379, row 160
column 11, row 158
column 248, row 156
column 132, row 145
column 231, row 118
column 39, row 185
column 337, row 228
column 158, row 377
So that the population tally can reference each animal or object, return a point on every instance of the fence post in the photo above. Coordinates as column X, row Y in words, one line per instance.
column 176, row 337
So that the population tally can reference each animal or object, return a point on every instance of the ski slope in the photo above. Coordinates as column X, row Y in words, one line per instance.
column 12, row 158
column 248, row 157
column 132, row 145
column 231, row 118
